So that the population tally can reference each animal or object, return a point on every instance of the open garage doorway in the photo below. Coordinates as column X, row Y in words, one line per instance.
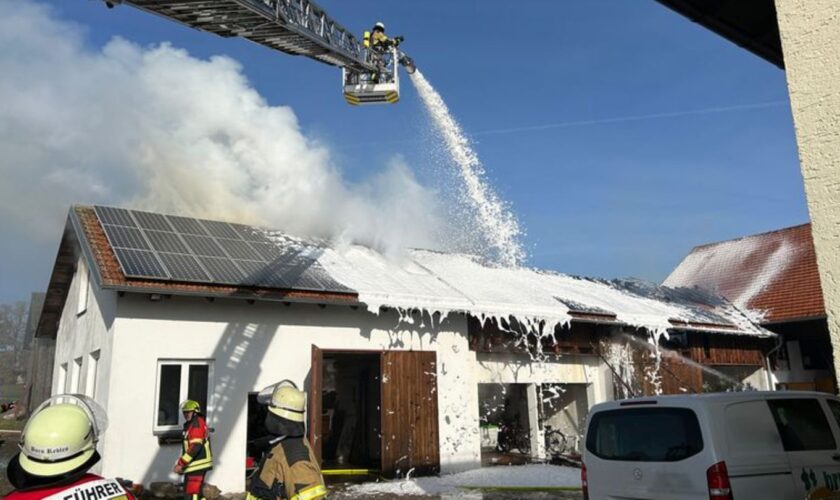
column 350, row 402
column 563, row 416
column 505, row 424
column 374, row 412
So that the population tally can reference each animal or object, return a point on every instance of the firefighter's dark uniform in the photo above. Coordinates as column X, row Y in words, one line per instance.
column 196, row 457
column 289, row 472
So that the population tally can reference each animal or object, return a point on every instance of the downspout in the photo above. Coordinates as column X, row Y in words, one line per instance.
column 779, row 345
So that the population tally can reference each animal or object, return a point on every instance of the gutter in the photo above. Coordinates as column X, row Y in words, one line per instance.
column 351, row 299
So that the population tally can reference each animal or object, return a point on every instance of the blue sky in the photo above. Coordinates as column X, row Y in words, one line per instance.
column 618, row 182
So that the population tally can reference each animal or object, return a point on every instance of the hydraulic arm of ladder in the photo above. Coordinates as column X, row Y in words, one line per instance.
column 298, row 27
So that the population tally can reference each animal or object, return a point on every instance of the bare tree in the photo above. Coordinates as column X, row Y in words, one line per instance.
column 13, row 319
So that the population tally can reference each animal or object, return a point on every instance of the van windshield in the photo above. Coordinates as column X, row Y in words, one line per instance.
column 645, row 435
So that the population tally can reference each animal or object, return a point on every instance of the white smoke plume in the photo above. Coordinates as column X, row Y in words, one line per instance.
column 157, row 129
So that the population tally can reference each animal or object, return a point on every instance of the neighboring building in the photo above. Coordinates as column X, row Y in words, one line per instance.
column 404, row 361
column 775, row 276
column 36, row 305
column 803, row 38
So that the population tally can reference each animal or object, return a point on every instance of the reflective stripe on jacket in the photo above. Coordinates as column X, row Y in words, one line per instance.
column 290, row 472
column 196, row 454
column 88, row 486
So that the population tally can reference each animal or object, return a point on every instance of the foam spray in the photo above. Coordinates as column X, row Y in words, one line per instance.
column 500, row 229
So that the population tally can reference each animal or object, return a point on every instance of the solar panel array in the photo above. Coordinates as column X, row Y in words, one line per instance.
column 167, row 247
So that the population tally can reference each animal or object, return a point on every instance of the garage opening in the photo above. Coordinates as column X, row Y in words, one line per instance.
column 504, row 420
column 564, row 410
column 350, row 419
column 256, row 433
column 374, row 412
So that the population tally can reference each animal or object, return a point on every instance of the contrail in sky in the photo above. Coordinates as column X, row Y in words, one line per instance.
column 601, row 121
column 632, row 118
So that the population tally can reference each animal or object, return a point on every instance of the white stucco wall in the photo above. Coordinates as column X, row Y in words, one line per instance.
column 587, row 372
column 810, row 32
column 254, row 345
column 793, row 370
column 520, row 369
column 82, row 333
column 759, row 380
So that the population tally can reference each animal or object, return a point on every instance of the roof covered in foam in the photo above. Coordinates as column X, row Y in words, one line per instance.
column 435, row 282
column 773, row 274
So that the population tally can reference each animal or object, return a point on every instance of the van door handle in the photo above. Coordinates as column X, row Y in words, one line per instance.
column 836, row 457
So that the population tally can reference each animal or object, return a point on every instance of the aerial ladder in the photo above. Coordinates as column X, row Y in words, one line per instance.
column 297, row 27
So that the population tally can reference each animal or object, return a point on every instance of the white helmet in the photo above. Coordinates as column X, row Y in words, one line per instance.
column 285, row 400
column 380, row 25
column 61, row 436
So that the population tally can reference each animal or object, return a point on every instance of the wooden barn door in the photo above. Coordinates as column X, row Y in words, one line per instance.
column 316, row 371
column 409, row 413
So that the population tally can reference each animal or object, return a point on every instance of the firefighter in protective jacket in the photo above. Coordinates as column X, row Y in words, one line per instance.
column 196, row 457
column 58, row 447
column 380, row 42
column 289, row 471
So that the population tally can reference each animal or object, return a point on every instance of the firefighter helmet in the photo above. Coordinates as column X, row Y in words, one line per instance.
column 288, row 402
column 285, row 400
column 379, row 25
column 191, row 405
column 61, row 436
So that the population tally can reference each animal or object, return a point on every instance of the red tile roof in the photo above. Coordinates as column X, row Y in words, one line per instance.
column 775, row 273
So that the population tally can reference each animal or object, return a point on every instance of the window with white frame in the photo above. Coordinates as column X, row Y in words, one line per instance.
column 92, row 369
column 178, row 380
column 75, row 375
column 62, row 379
column 84, row 288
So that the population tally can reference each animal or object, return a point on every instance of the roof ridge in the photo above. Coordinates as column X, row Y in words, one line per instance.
column 749, row 236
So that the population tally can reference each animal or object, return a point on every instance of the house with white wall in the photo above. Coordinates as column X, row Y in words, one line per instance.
column 403, row 359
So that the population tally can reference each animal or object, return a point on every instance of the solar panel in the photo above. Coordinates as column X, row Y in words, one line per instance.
column 250, row 233
column 150, row 245
column 186, row 225
column 238, row 249
column 305, row 272
column 220, row 229
column 148, row 220
column 222, row 270
column 329, row 283
column 299, row 279
column 183, row 267
column 255, row 272
column 268, row 251
column 166, row 242
column 125, row 237
column 295, row 260
column 274, row 279
column 203, row 245
column 140, row 264
column 116, row 216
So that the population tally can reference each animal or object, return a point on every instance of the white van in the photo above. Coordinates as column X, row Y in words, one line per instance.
column 723, row 446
